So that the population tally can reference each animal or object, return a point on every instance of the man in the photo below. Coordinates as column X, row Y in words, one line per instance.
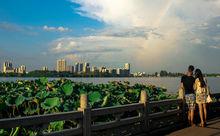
column 187, row 82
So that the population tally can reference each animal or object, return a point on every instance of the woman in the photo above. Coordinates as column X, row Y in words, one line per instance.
column 200, row 86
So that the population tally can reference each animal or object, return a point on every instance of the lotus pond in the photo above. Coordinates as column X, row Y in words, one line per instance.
column 40, row 96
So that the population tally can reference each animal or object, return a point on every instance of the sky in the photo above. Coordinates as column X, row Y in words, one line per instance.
column 151, row 35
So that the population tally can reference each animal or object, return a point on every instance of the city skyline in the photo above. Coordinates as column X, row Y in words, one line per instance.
column 83, row 69
column 151, row 35
column 61, row 66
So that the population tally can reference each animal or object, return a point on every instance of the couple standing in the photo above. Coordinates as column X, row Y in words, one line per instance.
column 196, row 92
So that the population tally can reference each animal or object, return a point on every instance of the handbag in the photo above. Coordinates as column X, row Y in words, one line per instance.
column 208, row 99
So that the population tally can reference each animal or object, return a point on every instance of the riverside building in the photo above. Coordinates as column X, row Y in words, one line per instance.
column 70, row 69
column 7, row 67
column 61, row 65
column 22, row 69
column 45, row 68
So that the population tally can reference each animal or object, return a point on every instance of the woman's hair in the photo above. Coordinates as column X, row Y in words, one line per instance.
column 199, row 75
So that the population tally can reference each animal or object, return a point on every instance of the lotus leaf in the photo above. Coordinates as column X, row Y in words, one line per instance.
column 50, row 103
column 42, row 94
column 43, row 80
column 56, row 126
column 67, row 88
column 10, row 101
column 20, row 99
column 50, row 84
column 94, row 97
column 29, row 111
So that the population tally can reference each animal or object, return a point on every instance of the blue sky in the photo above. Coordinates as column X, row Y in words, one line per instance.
column 111, row 32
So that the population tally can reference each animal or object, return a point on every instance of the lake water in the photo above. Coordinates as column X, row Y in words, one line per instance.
column 171, row 83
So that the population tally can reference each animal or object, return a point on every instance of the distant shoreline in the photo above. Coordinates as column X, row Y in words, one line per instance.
column 96, row 77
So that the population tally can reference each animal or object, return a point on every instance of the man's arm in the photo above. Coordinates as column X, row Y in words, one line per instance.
column 181, row 83
column 195, row 85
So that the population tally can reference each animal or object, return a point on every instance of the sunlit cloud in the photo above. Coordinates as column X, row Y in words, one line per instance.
column 145, row 30
column 196, row 41
column 215, row 47
column 58, row 29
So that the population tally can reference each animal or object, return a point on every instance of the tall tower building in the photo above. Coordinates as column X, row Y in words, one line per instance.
column 61, row 65
column 119, row 71
column 86, row 68
column 127, row 66
column 22, row 69
column 70, row 69
column 127, row 69
column 113, row 72
column 44, row 68
column 76, row 70
column 7, row 67
column 80, row 67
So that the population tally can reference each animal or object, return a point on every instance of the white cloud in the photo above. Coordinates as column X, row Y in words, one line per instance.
column 216, row 38
column 61, row 47
column 146, row 13
column 146, row 33
column 91, row 44
column 215, row 47
column 72, row 57
column 196, row 41
column 124, row 13
column 58, row 29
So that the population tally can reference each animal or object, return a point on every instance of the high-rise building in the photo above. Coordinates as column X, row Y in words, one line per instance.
column 61, row 65
column 86, row 68
column 122, row 72
column 119, row 71
column 70, row 69
column 95, row 71
column 22, row 69
column 80, row 67
column 44, row 68
column 103, row 69
column 113, row 72
column 127, row 66
column 16, row 70
column 7, row 67
column 127, row 69
column 76, row 70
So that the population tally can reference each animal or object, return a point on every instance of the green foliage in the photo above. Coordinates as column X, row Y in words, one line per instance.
column 19, row 100
column 94, row 97
column 67, row 88
column 43, row 80
column 56, row 126
column 40, row 96
column 3, row 132
column 50, row 103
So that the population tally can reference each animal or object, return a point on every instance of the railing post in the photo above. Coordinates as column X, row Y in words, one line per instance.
column 144, row 100
column 85, row 108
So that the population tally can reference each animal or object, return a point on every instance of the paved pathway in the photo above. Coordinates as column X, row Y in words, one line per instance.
column 212, row 129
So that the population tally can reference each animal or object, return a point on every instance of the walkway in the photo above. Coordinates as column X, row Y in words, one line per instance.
column 212, row 129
